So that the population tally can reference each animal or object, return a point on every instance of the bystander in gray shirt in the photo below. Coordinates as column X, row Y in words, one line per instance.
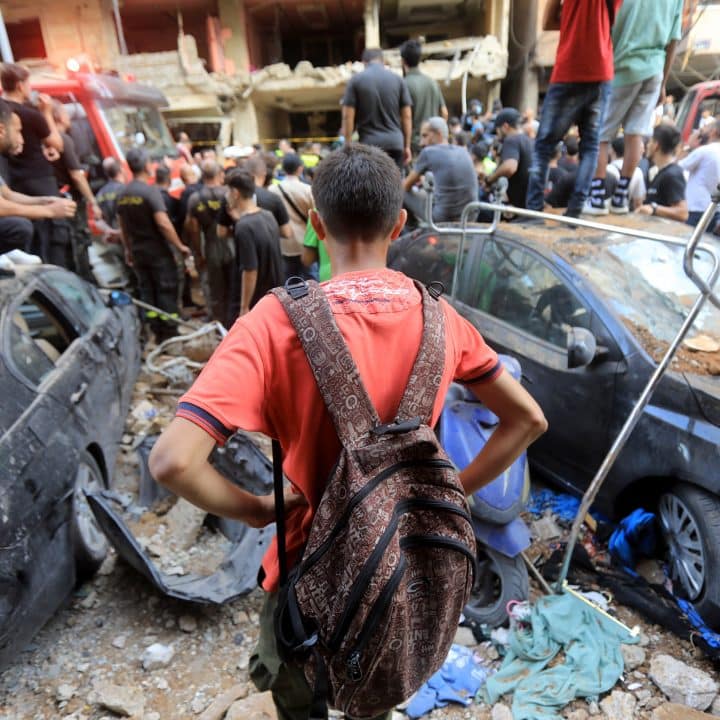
column 455, row 179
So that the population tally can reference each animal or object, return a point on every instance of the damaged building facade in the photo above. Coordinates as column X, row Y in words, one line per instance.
column 243, row 71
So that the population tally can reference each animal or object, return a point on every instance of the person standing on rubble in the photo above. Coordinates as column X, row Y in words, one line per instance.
column 378, row 103
column 148, row 237
column 71, row 174
column 214, row 256
column 427, row 98
column 578, row 94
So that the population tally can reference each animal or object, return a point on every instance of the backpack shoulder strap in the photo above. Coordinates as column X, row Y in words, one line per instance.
column 332, row 364
column 422, row 388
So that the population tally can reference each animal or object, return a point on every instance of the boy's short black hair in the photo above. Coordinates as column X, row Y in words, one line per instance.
column 137, row 160
column 162, row 175
column 358, row 193
column 11, row 75
column 618, row 145
column 667, row 137
column 572, row 145
column 241, row 180
column 411, row 52
column 291, row 163
column 372, row 55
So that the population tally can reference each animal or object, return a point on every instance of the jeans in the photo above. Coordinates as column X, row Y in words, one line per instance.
column 16, row 233
column 694, row 218
column 565, row 105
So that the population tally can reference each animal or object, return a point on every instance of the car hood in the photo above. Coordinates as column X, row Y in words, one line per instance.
column 706, row 390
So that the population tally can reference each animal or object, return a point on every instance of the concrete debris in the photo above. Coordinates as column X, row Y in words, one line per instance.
column 545, row 528
column 157, row 656
column 122, row 700
column 198, row 703
column 219, row 706
column 682, row 683
column 619, row 705
column 578, row 715
column 259, row 706
column 633, row 655
column 65, row 693
column 672, row 711
column 187, row 623
column 464, row 636
column 184, row 522
column 501, row 712
column 119, row 642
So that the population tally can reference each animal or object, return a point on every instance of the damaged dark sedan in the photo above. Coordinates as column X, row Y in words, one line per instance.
column 589, row 313
column 68, row 362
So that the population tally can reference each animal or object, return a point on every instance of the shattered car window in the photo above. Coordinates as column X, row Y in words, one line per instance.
column 513, row 285
column 645, row 283
column 77, row 294
column 27, row 356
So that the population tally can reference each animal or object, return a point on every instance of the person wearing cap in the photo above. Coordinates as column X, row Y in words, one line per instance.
column 298, row 200
column 579, row 92
column 515, row 156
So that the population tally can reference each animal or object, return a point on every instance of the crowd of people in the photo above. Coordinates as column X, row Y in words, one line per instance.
column 242, row 221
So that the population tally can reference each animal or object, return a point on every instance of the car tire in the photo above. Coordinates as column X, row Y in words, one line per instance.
column 689, row 520
column 500, row 580
column 89, row 543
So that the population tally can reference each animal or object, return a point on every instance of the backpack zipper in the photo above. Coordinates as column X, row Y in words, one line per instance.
column 352, row 663
column 359, row 497
column 354, row 657
column 370, row 566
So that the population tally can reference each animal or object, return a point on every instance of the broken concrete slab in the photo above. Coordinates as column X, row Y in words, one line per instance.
column 683, row 683
column 259, row 706
column 673, row 711
column 219, row 706
column 184, row 521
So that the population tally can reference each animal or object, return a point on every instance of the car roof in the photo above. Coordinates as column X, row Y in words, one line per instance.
column 550, row 238
column 12, row 282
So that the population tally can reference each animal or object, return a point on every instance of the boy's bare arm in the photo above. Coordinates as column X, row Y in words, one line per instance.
column 179, row 461
column 521, row 422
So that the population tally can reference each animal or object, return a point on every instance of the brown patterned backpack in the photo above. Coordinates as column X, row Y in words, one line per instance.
column 372, row 608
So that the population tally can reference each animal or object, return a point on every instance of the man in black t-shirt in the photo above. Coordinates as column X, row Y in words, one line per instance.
column 515, row 156
column 31, row 172
column 17, row 211
column 214, row 256
column 257, row 245
column 107, row 195
column 378, row 103
column 148, row 236
column 666, row 193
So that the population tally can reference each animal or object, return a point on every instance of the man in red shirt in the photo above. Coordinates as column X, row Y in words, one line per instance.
column 579, row 92
column 259, row 379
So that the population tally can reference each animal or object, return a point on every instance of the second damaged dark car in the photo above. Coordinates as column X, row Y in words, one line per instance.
column 68, row 363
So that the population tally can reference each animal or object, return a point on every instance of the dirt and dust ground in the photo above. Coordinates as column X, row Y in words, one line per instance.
column 103, row 631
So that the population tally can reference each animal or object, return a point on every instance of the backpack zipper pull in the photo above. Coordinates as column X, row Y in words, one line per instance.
column 353, row 666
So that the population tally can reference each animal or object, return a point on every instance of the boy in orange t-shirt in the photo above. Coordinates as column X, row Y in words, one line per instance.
column 259, row 380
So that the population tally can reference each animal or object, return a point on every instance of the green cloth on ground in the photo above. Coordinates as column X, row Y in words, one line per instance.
column 311, row 240
column 593, row 661
column 642, row 31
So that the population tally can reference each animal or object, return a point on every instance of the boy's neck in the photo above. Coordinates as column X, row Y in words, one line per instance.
column 357, row 256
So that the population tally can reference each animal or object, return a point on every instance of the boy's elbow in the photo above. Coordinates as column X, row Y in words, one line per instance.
column 167, row 464
column 537, row 423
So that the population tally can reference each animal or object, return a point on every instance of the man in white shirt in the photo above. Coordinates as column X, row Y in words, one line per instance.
column 298, row 199
column 703, row 166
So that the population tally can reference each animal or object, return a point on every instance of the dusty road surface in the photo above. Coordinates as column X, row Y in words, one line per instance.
column 119, row 648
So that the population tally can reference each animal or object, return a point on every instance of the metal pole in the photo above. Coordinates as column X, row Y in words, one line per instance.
column 5, row 49
column 637, row 411
column 119, row 28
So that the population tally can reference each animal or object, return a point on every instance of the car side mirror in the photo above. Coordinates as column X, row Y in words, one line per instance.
column 582, row 346
column 118, row 298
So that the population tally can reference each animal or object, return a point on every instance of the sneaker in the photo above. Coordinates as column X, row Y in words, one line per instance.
column 619, row 205
column 595, row 208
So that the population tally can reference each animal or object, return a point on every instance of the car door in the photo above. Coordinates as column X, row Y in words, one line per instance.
column 525, row 307
column 97, row 396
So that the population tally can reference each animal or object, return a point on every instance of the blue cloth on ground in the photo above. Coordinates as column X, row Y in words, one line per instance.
column 593, row 662
column 563, row 505
column 633, row 538
column 711, row 637
column 460, row 673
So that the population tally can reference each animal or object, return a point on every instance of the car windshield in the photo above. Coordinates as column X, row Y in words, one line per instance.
column 138, row 126
column 646, row 285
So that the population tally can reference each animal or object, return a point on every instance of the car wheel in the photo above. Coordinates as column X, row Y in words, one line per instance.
column 500, row 579
column 690, row 524
column 90, row 545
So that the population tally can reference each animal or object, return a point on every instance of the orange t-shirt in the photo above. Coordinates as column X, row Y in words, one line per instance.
column 259, row 380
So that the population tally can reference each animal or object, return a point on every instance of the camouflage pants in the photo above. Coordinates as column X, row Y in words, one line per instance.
column 291, row 693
